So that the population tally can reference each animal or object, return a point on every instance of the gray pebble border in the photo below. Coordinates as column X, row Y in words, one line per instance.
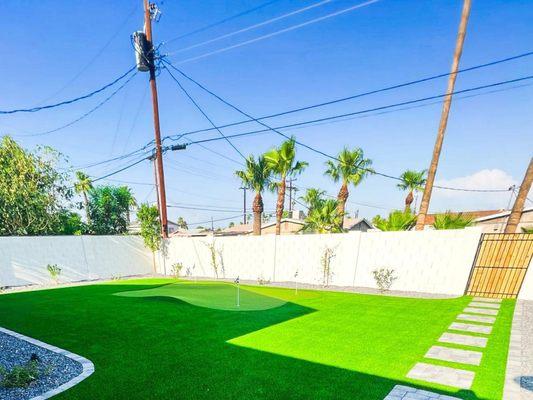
column 519, row 375
column 87, row 366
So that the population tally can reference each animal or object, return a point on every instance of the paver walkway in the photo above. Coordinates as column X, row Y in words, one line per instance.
column 401, row 392
column 477, row 317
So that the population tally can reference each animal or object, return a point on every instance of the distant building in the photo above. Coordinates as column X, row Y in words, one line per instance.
column 292, row 226
column 490, row 221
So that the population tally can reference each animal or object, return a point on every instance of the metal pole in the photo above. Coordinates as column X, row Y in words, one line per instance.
column 244, row 188
column 160, row 181
column 432, row 171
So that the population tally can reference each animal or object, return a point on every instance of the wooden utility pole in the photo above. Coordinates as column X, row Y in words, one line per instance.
column 160, row 180
column 518, row 207
column 244, row 188
column 432, row 171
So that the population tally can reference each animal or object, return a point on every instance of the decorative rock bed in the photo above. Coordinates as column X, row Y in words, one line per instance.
column 58, row 369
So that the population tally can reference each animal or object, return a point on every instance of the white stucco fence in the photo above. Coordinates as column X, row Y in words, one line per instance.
column 23, row 260
column 428, row 261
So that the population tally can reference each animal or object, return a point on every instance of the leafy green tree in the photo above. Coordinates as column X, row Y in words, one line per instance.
column 324, row 217
column 313, row 198
column 450, row 220
column 282, row 162
column 82, row 186
column 256, row 175
column 182, row 223
column 70, row 223
column 351, row 168
column 109, row 209
column 412, row 181
column 33, row 193
column 148, row 217
column 397, row 221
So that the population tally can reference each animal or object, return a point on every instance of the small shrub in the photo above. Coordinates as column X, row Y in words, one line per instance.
column 384, row 278
column 54, row 271
column 327, row 273
column 20, row 376
column 213, row 257
column 176, row 269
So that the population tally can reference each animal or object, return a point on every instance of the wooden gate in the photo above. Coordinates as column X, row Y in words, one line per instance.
column 500, row 265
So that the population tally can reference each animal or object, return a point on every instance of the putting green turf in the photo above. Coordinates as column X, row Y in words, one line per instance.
column 211, row 295
column 178, row 341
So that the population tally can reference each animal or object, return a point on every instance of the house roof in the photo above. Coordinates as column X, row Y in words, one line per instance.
column 430, row 218
column 349, row 223
column 237, row 229
column 502, row 213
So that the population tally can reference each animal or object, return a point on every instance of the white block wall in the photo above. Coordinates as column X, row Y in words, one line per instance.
column 23, row 260
column 427, row 261
column 526, row 292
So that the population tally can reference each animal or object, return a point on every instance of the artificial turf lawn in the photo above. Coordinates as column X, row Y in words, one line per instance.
column 315, row 345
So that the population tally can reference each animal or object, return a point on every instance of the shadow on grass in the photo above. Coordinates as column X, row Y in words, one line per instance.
column 164, row 348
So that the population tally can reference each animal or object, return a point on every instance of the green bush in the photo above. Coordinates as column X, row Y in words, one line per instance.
column 20, row 376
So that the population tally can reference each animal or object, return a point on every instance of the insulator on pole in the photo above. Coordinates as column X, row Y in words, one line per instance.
column 144, row 55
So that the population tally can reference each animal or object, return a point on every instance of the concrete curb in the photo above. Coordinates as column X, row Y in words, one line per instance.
column 88, row 366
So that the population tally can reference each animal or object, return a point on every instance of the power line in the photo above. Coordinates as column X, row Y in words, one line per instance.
column 95, row 57
column 222, row 21
column 272, row 34
column 367, row 93
column 364, row 111
column 214, row 220
column 203, row 112
column 74, row 100
column 251, row 27
column 335, row 158
column 83, row 116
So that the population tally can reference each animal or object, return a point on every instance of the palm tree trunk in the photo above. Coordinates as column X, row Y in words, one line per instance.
column 86, row 205
column 518, row 207
column 408, row 200
column 342, row 197
column 432, row 171
column 258, row 211
column 280, row 204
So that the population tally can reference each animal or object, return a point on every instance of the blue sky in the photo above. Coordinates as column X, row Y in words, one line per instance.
column 489, row 137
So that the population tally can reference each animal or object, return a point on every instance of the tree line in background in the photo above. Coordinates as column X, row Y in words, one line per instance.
column 271, row 170
column 37, row 198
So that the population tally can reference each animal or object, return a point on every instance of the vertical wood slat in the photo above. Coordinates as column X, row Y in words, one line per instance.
column 500, row 265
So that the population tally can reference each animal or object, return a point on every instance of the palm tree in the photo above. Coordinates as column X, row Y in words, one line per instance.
column 324, row 217
column 128, row 199
column 313, row 198
column 281, row 161
column 412, row 181
column 446, row 105
column 256, row 176
column 450, row 220
column 397, row 221
column 82, row 186
column 350, row 167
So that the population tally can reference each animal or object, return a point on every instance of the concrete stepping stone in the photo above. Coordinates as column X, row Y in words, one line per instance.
column 460, row 356
column 483, row 311
column 476, row 318
column 473, row 328
column 487, row 300
column 465, row 340
column 401, row 392
column 484, row 305
column 457, row 378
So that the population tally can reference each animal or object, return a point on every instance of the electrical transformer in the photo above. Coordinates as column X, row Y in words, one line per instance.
column 144, row 56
